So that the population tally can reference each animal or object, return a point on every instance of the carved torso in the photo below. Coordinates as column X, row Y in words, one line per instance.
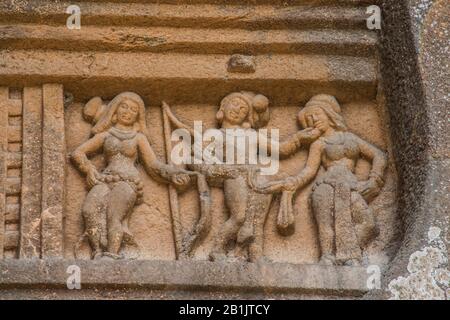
column 121, row 151
column 243, row 145
column 340, row 149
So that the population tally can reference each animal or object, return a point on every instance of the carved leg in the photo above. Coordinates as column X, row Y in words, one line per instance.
column 322, row 204
column 121, row 201
column 364, row 220
column 256, row 247
column 94, row 214
column 236, row 195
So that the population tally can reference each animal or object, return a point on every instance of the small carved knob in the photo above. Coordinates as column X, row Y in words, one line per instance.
column 241, row 64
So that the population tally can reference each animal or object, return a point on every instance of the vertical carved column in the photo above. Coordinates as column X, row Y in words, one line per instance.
column 3, row 154
column 53, row 170
column 30, row 222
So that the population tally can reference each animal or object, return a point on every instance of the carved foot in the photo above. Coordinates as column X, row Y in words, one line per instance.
column 97, row 255
column 111, row 256
column 246, row 234
column 236, row 258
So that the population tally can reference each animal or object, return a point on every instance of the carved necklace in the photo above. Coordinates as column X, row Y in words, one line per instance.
column 122, row 134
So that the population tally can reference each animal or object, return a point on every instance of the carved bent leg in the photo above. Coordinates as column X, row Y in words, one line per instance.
column 94, row 214
column 236, row 195
column 121, row 201
column 362, row 216
column 323, row 205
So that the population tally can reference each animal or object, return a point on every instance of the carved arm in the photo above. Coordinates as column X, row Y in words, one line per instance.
column 378, row 158
column 156, row 169
column 79, row 156
column 293, row 143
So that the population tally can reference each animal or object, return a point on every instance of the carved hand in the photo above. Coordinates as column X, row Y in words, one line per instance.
column 369, row 189
column 290, row 184
column 308, row 135
column 92, row 177
column 270, row 187
column 180, row 179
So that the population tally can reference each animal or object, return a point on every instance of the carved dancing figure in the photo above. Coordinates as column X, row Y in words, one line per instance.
column 241, row 236
column 120, row 133
column 346, row 223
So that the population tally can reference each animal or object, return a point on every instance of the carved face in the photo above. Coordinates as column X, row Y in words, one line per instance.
column 317, row 118
column 127, row 112
column 235, row 111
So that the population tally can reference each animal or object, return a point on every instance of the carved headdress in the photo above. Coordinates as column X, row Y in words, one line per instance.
column 102, row 115
column 329, row 105
column 258, row 108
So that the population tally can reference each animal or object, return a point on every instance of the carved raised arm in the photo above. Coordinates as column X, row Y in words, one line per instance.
column 311, row 168
column 291, row 144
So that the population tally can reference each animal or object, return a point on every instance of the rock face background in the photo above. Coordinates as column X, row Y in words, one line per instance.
column 422, row 107
column 391, row 84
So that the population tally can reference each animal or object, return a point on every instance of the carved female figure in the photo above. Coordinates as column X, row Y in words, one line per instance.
column 245, row 111
column 120, row 132
column 339, row 201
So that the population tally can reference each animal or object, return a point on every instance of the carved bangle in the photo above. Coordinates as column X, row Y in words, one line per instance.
column 300, row 181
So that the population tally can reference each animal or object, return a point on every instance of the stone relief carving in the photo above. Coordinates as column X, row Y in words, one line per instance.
column 241, row 236
column 120, row 132
column 346, row 223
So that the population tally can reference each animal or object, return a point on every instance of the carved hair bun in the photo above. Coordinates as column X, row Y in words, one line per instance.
column 260, row 103
column 94, row 110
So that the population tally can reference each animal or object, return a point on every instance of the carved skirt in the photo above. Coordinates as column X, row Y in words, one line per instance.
column 112, row 178
column 345, row 185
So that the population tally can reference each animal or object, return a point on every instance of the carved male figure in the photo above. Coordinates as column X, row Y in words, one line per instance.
column 346, row 223
column 120, row 132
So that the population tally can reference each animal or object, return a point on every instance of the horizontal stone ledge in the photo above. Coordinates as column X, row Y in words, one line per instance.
column 184, row 78
column 187, row 275
column 148, row 66
column 187, row 15
column 201, row 91
column 201, row 41
column 250, row 2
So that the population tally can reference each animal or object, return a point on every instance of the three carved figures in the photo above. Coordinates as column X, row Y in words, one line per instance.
column 339, row 201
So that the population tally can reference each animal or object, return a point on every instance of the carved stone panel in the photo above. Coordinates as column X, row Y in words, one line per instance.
column 215, row 145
